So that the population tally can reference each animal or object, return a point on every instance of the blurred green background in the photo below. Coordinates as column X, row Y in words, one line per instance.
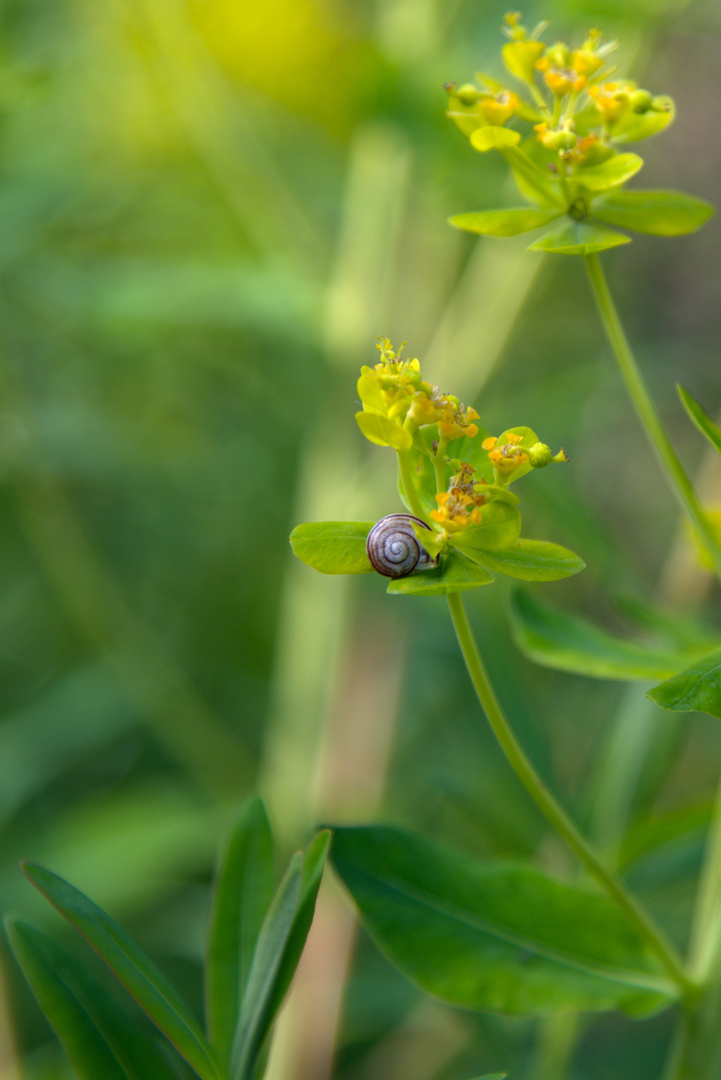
column 208, row 212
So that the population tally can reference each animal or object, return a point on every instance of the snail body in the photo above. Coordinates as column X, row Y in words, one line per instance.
column 394, row 549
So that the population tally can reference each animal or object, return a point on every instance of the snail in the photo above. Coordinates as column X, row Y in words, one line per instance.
column 394, row 549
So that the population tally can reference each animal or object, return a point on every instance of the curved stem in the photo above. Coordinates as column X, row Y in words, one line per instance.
column 410, row 488
column 553, row 811
column 647, row 414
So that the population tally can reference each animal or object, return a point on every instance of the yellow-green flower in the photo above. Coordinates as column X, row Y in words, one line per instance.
column 564, row 139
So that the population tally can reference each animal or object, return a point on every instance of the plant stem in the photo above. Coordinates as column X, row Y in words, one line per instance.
column 647, row 414
column 414, row 502
column 439, row 466
column 552, row 810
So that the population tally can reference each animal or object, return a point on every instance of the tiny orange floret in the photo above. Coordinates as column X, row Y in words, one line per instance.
column 489, row 443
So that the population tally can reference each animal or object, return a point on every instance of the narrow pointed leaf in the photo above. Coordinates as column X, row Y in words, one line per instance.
column 663, row 213
column 701, row 419
column 455, row 573
column 504, row 222
column 131, row 966
column 615, row 170
column 531, row 560
column 567, row 643
column 382, row 431
column 254, row 1016
column 494, row 138
column 60, row 982
column 88, row 1052
column 244, row 887
column 333, row 547
column 280, row 946
column 695, row 689
column 314, row 862
column 579, row 238
column 494, row 935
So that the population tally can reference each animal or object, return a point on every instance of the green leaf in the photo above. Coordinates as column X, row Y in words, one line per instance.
column 615, row 170
column 88, row 1053
column 382, row 431
column 500, row 526
column 421, row 467
column 697, row 689
column 279, row 948
column 535, row 183
column 455, row 573
column 520, row 58
column 701, row 419
column 504, row 222
column 531, row 560
column 579, row 238
column 663, row 213
column 494, row 138
column 494, row 1076
column 567, row 643
column 493, row 935
column 244, row 886
column 333, row 547
column 101, row 1040
column 131, row 966
column 254, row 1018
column 632, row 127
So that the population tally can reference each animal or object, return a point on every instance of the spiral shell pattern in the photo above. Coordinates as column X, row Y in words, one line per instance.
column 394, row 549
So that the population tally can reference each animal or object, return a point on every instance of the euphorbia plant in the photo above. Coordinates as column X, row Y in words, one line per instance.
column 490, row 934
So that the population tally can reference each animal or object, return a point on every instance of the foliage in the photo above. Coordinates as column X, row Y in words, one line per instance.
column 255, row 942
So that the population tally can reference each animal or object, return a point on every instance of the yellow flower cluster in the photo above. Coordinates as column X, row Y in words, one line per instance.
column 581, row 103
column 507, row 457
column 394, row 389
column 456, row 510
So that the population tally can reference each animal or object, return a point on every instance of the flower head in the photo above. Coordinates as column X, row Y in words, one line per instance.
column 582, row 115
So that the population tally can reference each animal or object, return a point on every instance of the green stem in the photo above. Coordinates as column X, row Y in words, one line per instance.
column 414, row 502
column 439, row 466
column 552, row 810
column 647, row 414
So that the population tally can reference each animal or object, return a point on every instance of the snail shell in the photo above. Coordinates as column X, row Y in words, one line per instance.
column 394, row 549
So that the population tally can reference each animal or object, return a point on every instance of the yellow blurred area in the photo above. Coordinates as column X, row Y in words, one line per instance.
column 298, row 53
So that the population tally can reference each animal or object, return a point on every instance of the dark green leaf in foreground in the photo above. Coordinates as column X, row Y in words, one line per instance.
column 101, row 1040
column 244, row 886
column 131, row 966
column 504, row 222
column 87, row 1050
column 530, row 560
column 700, row 418
column 696, row 689
column 333, row 547
column 455, row 573
column 491, row 935
column 567, row 643
column 579, row 238
column 663, row 213
column 277, row 953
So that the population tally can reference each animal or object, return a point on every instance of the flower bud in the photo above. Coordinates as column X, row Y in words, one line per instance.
column 540, row 455
column 467, row 94
column 563, row 141
column 641, row 101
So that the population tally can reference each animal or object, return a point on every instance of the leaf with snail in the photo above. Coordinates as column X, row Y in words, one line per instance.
column 333, row 547
column 455, row 573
